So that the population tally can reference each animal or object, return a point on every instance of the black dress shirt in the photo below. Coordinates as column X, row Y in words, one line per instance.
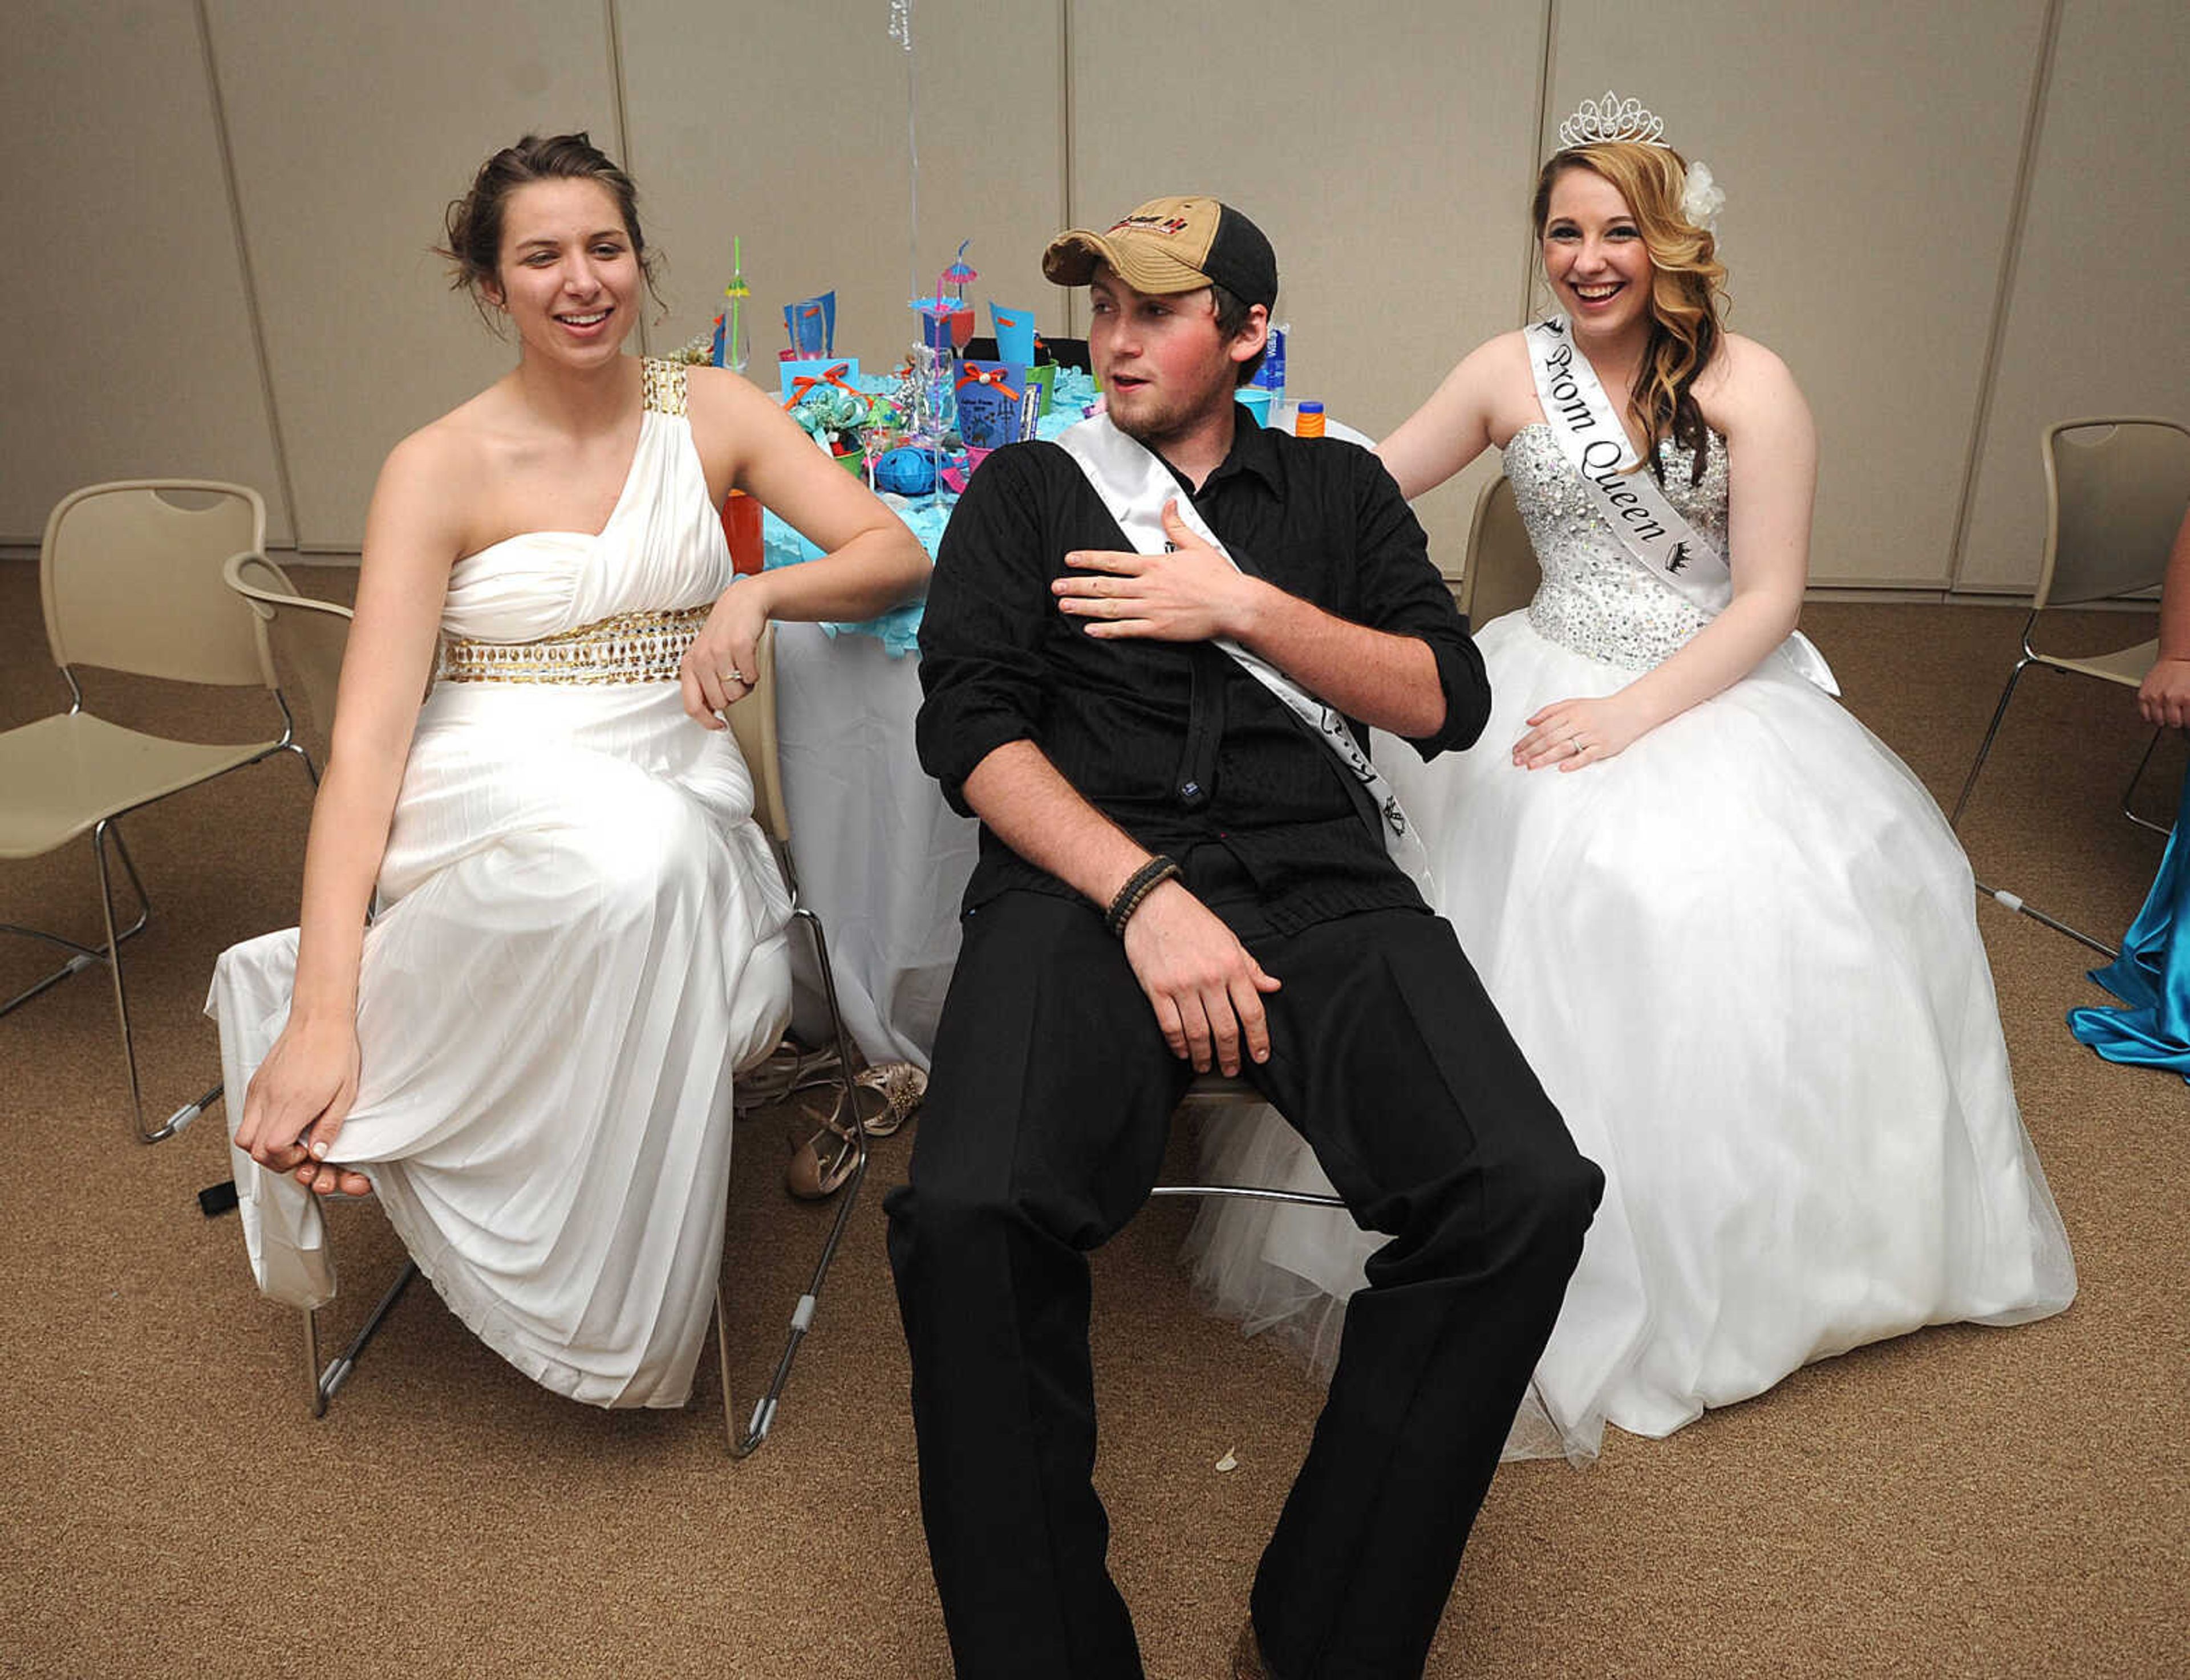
column 1173, row 741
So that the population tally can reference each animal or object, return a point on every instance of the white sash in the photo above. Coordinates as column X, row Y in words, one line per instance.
column 1134, row 485
column 1651, row 530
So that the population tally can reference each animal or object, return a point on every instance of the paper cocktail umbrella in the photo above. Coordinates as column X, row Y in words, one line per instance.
column 960, row 274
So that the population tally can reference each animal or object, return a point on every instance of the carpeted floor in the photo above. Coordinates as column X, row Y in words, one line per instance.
column 1963, row 1501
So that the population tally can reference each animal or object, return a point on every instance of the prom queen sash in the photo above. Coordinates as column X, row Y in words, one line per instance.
column 1134, row 486
column 1648, row 527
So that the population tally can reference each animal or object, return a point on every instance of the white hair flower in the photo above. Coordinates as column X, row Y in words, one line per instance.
column 1702, row 199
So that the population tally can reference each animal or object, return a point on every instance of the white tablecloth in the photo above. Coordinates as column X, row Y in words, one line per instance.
column 881, row 859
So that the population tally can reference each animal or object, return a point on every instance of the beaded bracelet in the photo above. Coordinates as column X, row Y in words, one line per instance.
column 1138, row 885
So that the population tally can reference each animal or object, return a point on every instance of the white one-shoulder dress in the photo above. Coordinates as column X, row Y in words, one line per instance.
column 1743, row 957
column 580, row 939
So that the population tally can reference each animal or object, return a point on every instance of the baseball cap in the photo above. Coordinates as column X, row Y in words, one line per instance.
column 1172, row 244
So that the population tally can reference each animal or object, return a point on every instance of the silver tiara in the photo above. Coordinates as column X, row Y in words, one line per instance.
column 1596, row 121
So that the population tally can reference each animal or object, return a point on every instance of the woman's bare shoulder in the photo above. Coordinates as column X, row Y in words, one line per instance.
column 1505, row 356
column 1745, row 382
column 721, row 391
column 1743, row 367
column 435, row 482
column 459, row 445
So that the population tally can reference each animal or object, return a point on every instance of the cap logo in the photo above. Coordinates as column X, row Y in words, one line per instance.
column 1156, row 224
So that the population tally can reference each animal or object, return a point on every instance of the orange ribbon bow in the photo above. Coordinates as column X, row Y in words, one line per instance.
column 986, row 375
column 803, row 382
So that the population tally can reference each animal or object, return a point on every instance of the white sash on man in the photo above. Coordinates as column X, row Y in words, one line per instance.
column 1651, row 530
column 1134, row 485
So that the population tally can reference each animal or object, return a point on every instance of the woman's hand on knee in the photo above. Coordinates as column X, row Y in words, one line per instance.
column 1204, row 987
column 297, row 1103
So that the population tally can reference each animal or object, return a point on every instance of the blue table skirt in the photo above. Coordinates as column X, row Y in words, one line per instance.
column 2151, row 1027
column 899, row 629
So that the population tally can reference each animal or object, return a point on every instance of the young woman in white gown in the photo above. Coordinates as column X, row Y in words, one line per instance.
column 529, row 1053
column 1731, row 931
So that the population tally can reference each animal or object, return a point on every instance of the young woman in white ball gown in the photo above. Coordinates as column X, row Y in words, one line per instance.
column 1731, row 932
column 529, row 1055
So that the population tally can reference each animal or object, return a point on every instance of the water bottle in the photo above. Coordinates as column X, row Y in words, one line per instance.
column 1271, row 375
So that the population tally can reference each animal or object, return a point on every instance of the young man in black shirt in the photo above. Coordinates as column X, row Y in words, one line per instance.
column 1176, row 872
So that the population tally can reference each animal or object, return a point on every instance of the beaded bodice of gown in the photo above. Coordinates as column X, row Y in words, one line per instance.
column 1594, row 598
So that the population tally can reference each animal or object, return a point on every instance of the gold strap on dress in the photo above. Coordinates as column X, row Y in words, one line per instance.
column 663, row 382
column 632, row 647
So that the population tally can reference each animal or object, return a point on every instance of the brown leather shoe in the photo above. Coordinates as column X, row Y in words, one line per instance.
column 1247, row 1662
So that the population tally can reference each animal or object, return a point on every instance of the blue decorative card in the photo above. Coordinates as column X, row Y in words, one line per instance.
column 991, row 398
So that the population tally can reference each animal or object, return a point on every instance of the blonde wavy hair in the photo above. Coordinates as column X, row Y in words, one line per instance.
column 1686, row 286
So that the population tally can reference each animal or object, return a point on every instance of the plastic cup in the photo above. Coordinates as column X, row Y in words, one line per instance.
column 741, row 525
column 1014, row 334
column 1043, row 377
column 1256, row 399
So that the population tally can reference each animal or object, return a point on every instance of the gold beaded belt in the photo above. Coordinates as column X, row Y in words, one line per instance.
column 632, row 647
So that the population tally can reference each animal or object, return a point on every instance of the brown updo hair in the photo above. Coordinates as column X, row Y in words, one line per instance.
column 474, row 222
column 1685, row 286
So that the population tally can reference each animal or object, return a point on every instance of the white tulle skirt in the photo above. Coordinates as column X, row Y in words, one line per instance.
column 580, row 940
column 1743, row 958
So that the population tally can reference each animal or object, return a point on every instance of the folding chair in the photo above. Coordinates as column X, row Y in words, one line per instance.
column 2115, row 491
column 1215, row 1089
column 1501, row 571
column 753, row 722
column 131, row 581
column 306, row 638
column 301, row 635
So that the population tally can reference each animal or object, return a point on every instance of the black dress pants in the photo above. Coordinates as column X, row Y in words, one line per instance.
column 1048, row 1109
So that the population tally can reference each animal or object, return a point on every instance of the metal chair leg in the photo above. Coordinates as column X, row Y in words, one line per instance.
column 744, row 1443
column 312, row 1362
column 84, row 955
column 190, row 1111
column 121, row 991
column 310, row 768
column 1250, row 1193
column 327, row 1383
column 2001, row 895
column 2130, row 791
column 112, row 957
column 1999, row 713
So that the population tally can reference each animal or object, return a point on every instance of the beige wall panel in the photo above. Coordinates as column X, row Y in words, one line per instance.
column 352, row 128
column 783, row 123
column 2096, row 323
column 128, row 352
column 1868, row 154
column 1386, row 148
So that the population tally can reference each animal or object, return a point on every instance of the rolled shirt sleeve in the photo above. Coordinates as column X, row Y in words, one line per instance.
column 983, row 676
column 1400, row 591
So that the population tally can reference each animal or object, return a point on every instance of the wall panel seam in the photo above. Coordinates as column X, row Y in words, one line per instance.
column 1542, row 142
column 1067, row 187
column 2026, row 170
column 283, row 484
column 612, row 19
